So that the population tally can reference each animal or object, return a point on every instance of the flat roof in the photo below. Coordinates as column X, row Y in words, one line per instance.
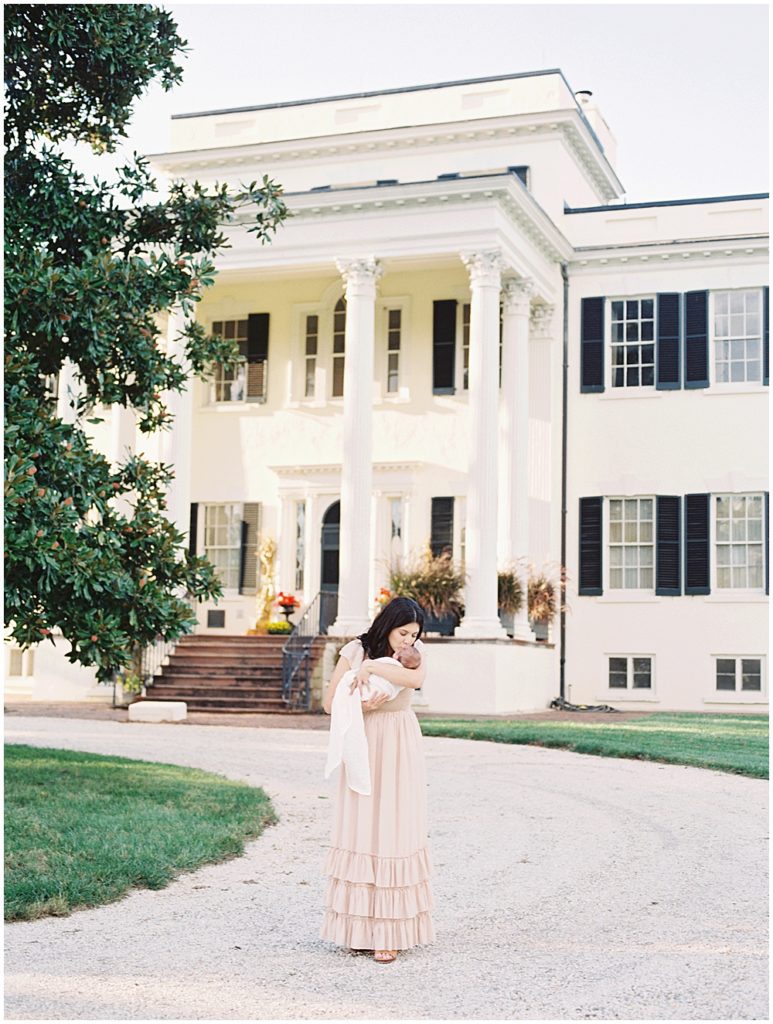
column 665, row 202
column 377, row 92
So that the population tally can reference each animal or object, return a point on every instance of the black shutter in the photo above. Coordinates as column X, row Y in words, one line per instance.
column 668, row 578
column 592, row 344
column 257, row 356
column 243, row 555
column 696, row 339
column 696, row 547
column 443, row 346
column 442, row 526
column 590, row 546
column 248, row 566
column 668, row 353
column 766, row 541
column 193, row 528
column 765, row 332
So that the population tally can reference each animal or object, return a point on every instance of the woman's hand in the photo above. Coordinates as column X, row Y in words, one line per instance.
column 373, row 702
column 363, row 673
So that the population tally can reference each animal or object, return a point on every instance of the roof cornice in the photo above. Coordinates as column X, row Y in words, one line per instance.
column 570, row 123
column 740, row 247
column 513, row 197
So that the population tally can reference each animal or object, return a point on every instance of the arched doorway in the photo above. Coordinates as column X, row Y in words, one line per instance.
column 330, row 540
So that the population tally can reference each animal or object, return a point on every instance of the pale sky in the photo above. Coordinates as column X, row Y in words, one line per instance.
column 683, row 88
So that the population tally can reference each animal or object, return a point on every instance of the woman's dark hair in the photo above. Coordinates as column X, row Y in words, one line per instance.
column 400, row 611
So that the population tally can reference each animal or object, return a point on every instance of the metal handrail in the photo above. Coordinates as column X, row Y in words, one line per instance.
column 296, row 653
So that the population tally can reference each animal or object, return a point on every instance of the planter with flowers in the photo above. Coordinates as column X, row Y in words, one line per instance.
column 279, row 628
column 288, row 603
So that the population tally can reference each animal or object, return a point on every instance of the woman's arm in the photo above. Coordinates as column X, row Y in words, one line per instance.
column 342, row 666
column 394, row 672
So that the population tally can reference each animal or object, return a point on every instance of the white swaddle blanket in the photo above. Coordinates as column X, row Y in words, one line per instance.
column 347, row 744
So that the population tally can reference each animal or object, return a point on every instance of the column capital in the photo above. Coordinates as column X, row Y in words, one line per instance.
column 516, row 295
column 485, row 267
column 359, row 272
column 541, row 320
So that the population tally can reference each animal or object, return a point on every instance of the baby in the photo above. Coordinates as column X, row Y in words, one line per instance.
column 348, row 744
column 408, row 657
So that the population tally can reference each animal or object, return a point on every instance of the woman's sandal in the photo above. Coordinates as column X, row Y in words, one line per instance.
column 385, row 956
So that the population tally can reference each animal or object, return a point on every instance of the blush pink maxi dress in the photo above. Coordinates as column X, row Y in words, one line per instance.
column 379, row 894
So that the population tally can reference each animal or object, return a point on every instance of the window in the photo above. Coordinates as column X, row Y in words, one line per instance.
column 739, row 540
column 245, row 381
column 222, row 541
column 230, row 383
column 21, row 663
column 739, row 674
column 632, row 325
column 465, row 346
column 738, row 336
column 631, row 543
column 630, row 672
column 396, row 528
column 300, row 542
column 394, row 330
column 312, row 340
column 339, row 345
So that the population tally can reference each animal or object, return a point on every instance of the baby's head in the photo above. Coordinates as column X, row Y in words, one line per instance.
column 408, row 657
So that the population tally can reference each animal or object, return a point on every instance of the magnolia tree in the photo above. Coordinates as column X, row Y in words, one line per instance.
column 90, row 265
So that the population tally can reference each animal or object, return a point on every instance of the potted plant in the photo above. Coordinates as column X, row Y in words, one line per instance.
column 509, row 597
column 279, row 628
column 542, row 604
column 436, row 585
column 288, row 603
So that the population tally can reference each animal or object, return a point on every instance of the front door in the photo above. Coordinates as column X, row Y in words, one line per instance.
column 331, row 535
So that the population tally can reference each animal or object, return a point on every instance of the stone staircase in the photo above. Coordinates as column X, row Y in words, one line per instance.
column 234, row 674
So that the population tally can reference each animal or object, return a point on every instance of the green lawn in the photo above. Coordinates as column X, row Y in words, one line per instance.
column 728, row 743
column 82, row 829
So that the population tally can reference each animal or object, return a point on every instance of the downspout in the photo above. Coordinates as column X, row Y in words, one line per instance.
column 564, row 402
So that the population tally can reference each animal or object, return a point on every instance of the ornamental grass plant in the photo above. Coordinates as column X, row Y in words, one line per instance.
column 433, row 581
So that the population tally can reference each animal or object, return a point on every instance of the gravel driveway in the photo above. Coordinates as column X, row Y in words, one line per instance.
column 568, row 887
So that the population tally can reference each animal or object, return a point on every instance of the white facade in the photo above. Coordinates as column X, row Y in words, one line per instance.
column 487, row 194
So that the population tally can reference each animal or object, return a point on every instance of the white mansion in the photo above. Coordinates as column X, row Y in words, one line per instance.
column 463, row 338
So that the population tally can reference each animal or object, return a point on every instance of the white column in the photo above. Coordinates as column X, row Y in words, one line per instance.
column 360, row 277
column 515, row 399
column 123, row 433
column 176, row 442
column 68, row 392
column 480, row 596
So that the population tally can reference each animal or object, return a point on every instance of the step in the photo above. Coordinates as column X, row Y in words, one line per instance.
column 195, row 667
column 238, row 689
column 229, row 703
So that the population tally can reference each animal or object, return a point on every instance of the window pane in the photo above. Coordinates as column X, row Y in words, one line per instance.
column 338, row 378
column 725, row 673
column 642, row 673
column 618, row 673
column 751, row 674
column 647, row 308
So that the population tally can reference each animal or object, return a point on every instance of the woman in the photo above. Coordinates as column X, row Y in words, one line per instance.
column 379, row 895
